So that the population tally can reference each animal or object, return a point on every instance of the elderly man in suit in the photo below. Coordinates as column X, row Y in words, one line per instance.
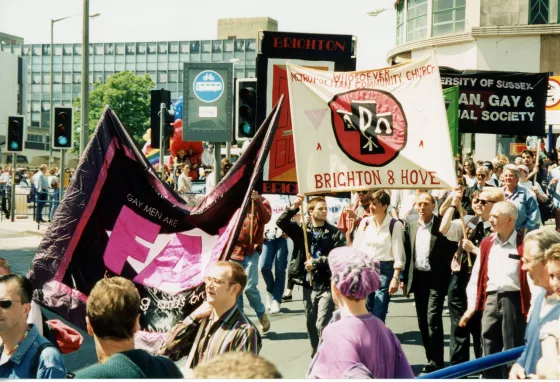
column 427, row 273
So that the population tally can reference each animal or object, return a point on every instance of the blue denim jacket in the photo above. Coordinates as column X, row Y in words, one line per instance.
column 51, row 365
column 529, row 215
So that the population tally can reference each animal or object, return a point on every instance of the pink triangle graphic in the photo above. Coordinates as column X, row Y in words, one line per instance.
column 316, row 116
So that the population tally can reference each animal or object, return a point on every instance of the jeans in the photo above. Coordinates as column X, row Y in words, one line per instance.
column 274, row 251
column 378, row 301
column 41, row 200
column 54, row 203
column 250, row 264
column 319, row 308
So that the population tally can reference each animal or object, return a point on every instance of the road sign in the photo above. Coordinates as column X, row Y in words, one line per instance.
column 208, row 107
column 553, row 93
column 208, row 86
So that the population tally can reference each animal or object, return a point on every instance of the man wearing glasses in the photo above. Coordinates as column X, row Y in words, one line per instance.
column 24, row 352
column 225, row 328
column 477, row 228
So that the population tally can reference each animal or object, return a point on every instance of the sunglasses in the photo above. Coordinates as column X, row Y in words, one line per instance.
column 7, row 304
column 480, row 176
column 363, row 192
column 482, row 201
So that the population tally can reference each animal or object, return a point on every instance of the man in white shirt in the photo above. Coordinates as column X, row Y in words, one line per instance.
column 42, row 187
column 498, row 287
column 184, row 184
column 208, row 156
column 5, row 189
column 427, row 272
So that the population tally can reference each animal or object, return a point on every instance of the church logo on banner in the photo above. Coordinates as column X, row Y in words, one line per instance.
column 369, row 126
column 383, row 128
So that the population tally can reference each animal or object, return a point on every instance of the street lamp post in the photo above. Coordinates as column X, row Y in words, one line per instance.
column 84, row 128
column 51, row 134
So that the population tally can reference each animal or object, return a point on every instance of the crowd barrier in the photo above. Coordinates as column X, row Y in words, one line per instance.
column 477, row 365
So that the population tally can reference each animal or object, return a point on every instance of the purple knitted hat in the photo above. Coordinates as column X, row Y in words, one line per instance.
column 354, row 273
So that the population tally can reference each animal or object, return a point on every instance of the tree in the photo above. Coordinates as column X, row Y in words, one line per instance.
column 129, row 97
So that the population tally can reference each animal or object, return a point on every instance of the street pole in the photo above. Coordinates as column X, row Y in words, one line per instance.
column 51, row 119
column 84, row 128
column 62, row 152
column 13, row 194
column 218, row 157
column 228, row 151
column 162, row 115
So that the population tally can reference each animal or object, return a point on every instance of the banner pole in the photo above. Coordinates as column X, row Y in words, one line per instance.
column 252, row 219
column 305, row 241
column 464, row 233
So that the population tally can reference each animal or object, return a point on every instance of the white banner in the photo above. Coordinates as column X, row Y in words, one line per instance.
column 383, row 128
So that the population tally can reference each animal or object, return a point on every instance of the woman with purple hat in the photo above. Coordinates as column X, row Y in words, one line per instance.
column 355, row 341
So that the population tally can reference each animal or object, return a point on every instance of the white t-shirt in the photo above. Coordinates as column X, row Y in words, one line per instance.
column 378, row 241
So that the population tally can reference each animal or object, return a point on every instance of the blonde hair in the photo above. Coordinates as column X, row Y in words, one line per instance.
column 495, row 193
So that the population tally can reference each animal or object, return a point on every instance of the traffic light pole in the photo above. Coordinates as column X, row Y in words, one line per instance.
column 162, row 114
column 218, row 160
column 62, row 152
column 13, row 195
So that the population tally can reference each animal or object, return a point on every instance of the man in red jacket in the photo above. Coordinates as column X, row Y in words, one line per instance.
column 246, row 252
column 351, row 216
column 498, row 287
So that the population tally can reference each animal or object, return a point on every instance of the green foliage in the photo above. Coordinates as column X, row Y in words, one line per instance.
column 128, row 96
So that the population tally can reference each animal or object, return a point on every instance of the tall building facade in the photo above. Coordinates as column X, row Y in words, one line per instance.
column 162, row 61
column 513, row 35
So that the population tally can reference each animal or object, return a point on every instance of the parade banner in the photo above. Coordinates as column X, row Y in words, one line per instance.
column 118, row 218
column 320, row 51
column 509, row 103
column 451, row 96
column 383, row 128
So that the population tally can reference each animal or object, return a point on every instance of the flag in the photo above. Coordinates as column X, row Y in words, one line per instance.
column 118, row 218
column 383, row 128
column 451, row 96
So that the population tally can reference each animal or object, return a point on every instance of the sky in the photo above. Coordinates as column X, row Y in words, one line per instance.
column 173, row 20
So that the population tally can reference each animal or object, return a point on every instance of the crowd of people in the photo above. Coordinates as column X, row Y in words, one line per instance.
column 483, row 246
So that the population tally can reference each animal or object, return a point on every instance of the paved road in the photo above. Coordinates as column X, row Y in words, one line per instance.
column 286, row 344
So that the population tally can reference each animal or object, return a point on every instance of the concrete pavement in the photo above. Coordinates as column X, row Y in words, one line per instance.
column 286, row 344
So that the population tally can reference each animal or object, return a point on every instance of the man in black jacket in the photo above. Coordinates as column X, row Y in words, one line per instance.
column 427, row 273
column 313, row 273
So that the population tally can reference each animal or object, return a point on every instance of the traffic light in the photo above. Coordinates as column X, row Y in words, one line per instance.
column 157, row 98
column 62, row 135
column 246, row 109
column 15, row 133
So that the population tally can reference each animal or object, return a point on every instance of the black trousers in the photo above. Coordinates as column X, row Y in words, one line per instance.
column 429, row 295
column 503, row 327
column 460, row 338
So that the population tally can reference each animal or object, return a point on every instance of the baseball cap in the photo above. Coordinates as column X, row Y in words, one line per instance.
column 524, row 168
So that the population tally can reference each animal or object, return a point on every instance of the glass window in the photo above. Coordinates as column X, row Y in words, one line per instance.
column 109, row 48
column 130, row 48
column 37, row 50
column 251, row 45
column 448, row 17
column 400, row 23
column 35, row 138
column 77, row 78
column 162, row 48
column 173, row 47
column 67, row 59
column 120, row 49
column 152, row 76
column 119, row 59
column 174, row 66
column 239, row 45
column 98, row 49
column 184, row 47
column 228, row 46
column 26, row 50
column 195, row 47
column 107, row 75
column 67, row 50
column 77, row 49
column 417, row 20
column 141, row 48
column 17, row 49
column 140, row 67
column 58, row 50
column 67, row 78
column 110, row 67
column 206, row 46
column 152, row 48
column 45, row 106
column 46, row 50
column 152, row 66
column 119, row 67
column 35, row 106
column 57, row 78
column 46, row 78
column 98, row 77
column 538, row 12
column 36, row 78
column 162, row 77
column 217, row 47
column 173, row 76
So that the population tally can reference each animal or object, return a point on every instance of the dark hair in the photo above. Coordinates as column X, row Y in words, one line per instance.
column 113, row 307
column 529, row 152
column 4, row 264
column 25, row 287
column 470, row 162
column 381, row 197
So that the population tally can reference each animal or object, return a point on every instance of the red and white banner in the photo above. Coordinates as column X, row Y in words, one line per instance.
column 383, row 128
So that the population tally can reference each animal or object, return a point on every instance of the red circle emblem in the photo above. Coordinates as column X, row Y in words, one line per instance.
column 369, row 125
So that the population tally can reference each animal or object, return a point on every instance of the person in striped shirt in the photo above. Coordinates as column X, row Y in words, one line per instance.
column 225, row 327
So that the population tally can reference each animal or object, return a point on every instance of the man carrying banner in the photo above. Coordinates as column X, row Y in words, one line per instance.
column 475, row 229
column 351, row 216
column 247, row 251
column 313, row 272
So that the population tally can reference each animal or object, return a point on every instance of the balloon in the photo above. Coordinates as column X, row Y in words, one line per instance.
column 177, row 143
column 178, row 107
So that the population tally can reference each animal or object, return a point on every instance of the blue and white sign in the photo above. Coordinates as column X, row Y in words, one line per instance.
column 208, row 86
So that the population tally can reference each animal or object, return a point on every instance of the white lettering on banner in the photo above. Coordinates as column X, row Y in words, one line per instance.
column 377, row 134
column 514, row 116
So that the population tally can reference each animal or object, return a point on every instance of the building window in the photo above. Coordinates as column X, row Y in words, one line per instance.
column 141, row 48
column 195, row 47
column 109, row 49
column 152, row 48
column 120, row 49
column 34, row 138
column 130, row 49
column 239, row 45
column 538, row 12
column 448, row 17
column 162, row 48
column 400, row 23
column 417, row 20
column 67, row 50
